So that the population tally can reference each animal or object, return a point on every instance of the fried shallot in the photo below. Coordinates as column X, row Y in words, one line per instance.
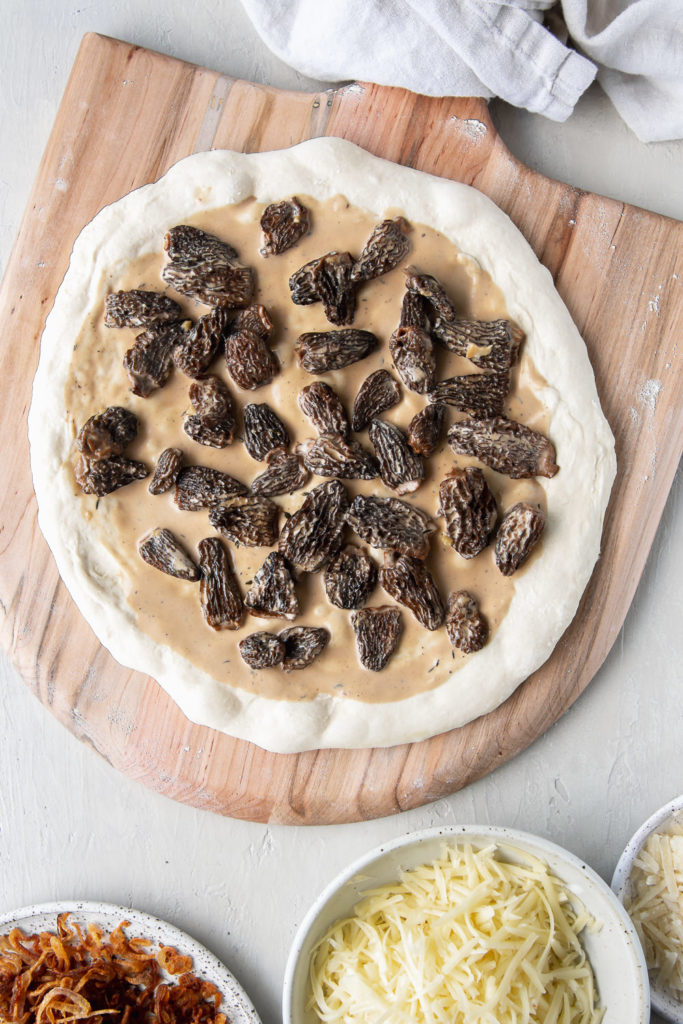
column 72, row 975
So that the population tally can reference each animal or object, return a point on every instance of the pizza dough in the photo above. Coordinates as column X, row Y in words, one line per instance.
column 545, row 594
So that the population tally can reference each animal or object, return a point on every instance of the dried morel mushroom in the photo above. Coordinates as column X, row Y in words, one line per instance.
column 284, row 475
column 250, row 362
column 313, row 533
column 327, row 280
column 263, row 431
column 399, row 466
column 210, row 283
column 106, row 475
column 469, row 508
column 303, row 644
column 333, row 284
column 202, row 487
column 350, row 577
column 324, row 408
column 254, row 318
column 480, row 394
column 262, row 650
column 166, row 471
column 215, row 435
column 188, row 242
column 505, row 446
column 426, row 429
column 219, row 593
column 490, row 344
column 384, row 250
column 410, row 582
column 137, row 308
column 202, row 267
column 149, row 362
column 322, row 351
column 377, row 631
column 302, row 283
column 391, row 524
column 161, row 550
column 107, row 433
column 429, row 288
column 466, row 626
column 199, row 346
column 252, row 521
column 413, row 355
column 214, row 424
column 331, row 455
column 414, row 312
column 211, row 401
column 518, row 534
column 378, row 392
column 272, row 592
column 283, row 224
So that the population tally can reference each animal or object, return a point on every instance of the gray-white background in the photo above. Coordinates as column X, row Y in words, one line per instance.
column 71, row 827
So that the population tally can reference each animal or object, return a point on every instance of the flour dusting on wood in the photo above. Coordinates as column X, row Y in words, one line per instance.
column 471, row 126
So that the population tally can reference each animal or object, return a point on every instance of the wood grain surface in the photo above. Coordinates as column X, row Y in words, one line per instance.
column 126, row 116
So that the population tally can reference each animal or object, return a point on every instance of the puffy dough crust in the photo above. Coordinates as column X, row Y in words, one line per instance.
column 546, row 595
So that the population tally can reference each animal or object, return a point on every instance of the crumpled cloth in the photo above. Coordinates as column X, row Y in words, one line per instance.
column 493, row 48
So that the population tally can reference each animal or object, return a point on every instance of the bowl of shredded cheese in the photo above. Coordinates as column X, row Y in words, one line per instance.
column 649, row 881
column 469, row 924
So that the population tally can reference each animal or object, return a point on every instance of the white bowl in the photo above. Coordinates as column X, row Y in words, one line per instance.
column 662, row 1003
column 614, row 951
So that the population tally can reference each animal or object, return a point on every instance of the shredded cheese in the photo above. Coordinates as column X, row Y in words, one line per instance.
column 472, row 938
column 655, row 903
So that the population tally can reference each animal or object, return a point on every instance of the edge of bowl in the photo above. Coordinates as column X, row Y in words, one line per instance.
column 662, row 1003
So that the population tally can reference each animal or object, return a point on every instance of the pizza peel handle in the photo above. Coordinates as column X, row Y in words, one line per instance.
column 128, row 114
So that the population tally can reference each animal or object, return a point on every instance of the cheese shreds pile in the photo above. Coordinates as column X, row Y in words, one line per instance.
column 656, row 905
column 468, row 939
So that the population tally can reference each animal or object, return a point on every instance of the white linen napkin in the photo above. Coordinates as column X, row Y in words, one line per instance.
column 493, row 48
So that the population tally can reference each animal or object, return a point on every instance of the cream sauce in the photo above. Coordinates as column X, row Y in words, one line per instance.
column 168, row 610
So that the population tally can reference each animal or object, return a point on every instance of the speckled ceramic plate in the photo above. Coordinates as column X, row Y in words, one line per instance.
column 43, row 917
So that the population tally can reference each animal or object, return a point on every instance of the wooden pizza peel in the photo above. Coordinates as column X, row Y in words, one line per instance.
column 126, row 116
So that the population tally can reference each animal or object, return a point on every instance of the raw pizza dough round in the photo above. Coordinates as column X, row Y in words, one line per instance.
column 546, row 594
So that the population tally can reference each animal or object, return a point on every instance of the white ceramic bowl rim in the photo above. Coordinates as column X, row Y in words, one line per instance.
column 496, row 834
column 663, row 1003
column 238, row 1005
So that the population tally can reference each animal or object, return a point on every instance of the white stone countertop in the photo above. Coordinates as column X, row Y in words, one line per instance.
column 71, row 827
